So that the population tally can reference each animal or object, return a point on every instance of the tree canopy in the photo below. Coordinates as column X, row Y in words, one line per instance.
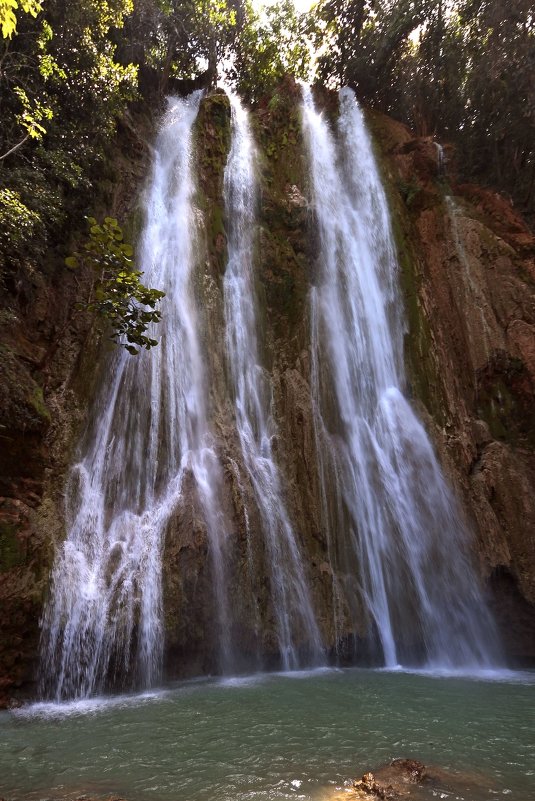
column 69, row 69
column 463, row 71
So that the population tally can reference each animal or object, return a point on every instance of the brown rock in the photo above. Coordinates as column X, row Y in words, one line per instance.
column 473, row 268
column 468, row 274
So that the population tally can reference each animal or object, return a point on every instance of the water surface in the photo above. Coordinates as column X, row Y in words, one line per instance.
column 275, row 737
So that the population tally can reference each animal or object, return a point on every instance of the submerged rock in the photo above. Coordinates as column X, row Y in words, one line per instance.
column 392, row 781
column 410, row 779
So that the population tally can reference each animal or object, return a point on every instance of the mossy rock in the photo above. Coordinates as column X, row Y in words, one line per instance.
column 22, row 406
column 12, row 554
column 505, row 399
column 278, row 132
column 425, row 382
column 212, row 141
column 283, row 281
column 38, row 403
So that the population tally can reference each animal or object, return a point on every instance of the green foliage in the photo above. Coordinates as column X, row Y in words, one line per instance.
column 458, row 70
column 61, row 92
column 33, row 114
column 8, row 20
column 119, row 296
column 189, row 40
column 360, row 41
column 62, row 65
column 269, row 46
column 18, row 223
column 199, row 41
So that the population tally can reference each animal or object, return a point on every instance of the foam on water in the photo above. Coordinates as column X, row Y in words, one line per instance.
column 50, row 710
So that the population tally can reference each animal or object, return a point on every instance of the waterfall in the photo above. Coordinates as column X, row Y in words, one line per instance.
column 298, row 637
column 149, row 429
column 441, row 161
column 397, row 552
column 398, row 548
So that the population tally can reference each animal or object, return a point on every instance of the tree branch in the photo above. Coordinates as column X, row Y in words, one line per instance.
column 15, row 147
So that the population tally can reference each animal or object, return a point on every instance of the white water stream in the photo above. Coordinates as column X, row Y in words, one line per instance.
column 404, row 558
column 148, row 431
column 396, row 547
column 298, row 635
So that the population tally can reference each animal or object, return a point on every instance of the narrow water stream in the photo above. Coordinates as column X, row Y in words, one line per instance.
column 289, row 592
column 382, row 485
column 276, row 737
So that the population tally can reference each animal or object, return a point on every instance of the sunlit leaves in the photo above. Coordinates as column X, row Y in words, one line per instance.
column 48, row 66
column 8, row 19
column 33, row 114
column 268, row 47
column 119, row 296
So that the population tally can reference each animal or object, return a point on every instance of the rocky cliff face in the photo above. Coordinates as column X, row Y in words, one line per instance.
column 468, row 273
column 467, row 262
column 468, row 266
column 49, row 357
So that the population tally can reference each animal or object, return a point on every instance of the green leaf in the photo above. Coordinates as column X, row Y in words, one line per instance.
column 119, row 296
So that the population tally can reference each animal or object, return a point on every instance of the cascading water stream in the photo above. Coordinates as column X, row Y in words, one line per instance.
column 148, row 431
column 299, row 640
column 381, row 481
column 395, row 544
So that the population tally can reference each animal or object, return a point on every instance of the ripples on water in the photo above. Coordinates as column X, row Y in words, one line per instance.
column 272, row 737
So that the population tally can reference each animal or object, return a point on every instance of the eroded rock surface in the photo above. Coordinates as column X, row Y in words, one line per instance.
column 467, row 268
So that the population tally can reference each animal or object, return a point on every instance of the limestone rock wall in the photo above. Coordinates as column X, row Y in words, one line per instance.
column 467, row 267
column 52, row 357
